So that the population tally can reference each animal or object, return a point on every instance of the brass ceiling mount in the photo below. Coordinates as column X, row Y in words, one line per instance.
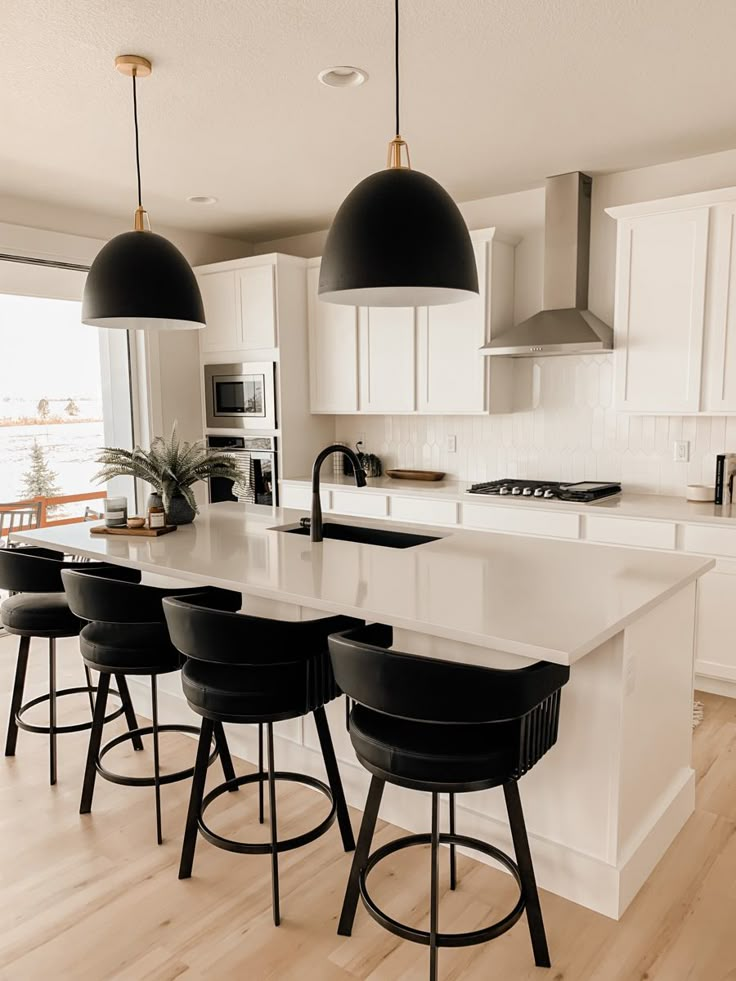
column 396, row 148
column 133, row 66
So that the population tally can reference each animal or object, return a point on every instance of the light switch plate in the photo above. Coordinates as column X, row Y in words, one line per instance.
column 452, row 444
column 681, row 452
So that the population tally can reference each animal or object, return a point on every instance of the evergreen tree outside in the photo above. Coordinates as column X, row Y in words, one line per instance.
column 40, row 480
column 71, row 408
column 43, row 409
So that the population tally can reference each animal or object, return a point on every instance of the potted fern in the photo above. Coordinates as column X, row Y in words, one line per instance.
column 171, row 467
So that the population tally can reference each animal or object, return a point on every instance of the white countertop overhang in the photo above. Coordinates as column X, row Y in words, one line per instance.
column 537, row 598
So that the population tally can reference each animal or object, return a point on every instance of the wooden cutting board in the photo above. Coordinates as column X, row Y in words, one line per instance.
column 135, row 532
column 416, row 474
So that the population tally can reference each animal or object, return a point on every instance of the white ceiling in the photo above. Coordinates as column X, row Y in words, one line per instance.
column 497, row 95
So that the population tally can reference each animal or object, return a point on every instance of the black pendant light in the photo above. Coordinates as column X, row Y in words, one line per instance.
column 139, row 279
column 398, row 239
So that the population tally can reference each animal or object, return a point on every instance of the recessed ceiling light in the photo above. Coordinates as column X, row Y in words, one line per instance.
column 342, row 76
column 201, row 199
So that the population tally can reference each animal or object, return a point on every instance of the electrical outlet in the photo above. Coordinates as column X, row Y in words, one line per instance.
column 452, row 444
column 682, row 451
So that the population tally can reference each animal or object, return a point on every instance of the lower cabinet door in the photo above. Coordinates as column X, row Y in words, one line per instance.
column 715, row 650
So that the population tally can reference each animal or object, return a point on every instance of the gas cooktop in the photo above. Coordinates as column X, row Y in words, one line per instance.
column 585, row 490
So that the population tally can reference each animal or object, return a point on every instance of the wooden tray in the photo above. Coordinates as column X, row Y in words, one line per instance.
column 416, row 474
column 136, row 532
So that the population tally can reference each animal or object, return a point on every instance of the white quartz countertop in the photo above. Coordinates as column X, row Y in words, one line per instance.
column 655, row 507
column 537, row 598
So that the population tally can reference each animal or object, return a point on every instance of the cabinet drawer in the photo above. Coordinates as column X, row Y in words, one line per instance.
column 368, row 505
column 420, row 509
column 523, row 520
column 300, row 496
column 621, row 531
column 710, row 539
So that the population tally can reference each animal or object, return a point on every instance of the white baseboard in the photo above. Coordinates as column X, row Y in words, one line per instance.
column 715, row 686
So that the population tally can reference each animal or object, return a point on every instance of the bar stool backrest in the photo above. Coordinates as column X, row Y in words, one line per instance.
column 428, row 690
column 204, row 632
column 114, row 594
column 29, row 569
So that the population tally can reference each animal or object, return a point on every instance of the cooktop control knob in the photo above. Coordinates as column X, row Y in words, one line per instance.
column 527, row 492
column 516, row 491
column 549, row 493
column 504, row 490
column 538, row 492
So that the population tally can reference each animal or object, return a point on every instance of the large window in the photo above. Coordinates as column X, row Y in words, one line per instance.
column 64, row 392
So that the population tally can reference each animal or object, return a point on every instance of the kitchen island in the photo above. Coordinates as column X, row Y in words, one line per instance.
column 606, row 802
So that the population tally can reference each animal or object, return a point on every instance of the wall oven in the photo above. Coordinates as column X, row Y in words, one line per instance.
column 240, row 396
column 256, row 458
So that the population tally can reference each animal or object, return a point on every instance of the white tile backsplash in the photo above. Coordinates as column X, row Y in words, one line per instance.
column 567, row 430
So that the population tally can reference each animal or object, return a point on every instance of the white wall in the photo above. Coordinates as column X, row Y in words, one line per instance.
column 564, row 427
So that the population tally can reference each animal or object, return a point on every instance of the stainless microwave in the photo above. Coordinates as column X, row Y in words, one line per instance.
column 240, row 396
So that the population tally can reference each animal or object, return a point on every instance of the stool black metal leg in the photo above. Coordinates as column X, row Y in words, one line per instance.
column 195, row 799
column 224, row 750
column 52, row 710
column 130, row 718
column 260, row 772
column 434, row 888
column 16, row 701
column 453, row 857
column 95, row 740
column 526, row 870
column 156, row 765
column 274, row 830
column 362, row 851
column 348, row 706
column 333, row 777
column 90, row 686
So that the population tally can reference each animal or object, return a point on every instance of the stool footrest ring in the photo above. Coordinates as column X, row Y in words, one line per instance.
column 148, row 781
column 77, row 727
column 264, row 848
column 443, row 939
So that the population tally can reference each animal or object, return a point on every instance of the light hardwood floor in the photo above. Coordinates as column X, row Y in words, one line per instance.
column 92, row 898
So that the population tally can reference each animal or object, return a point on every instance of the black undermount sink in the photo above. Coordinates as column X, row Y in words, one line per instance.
column 361, row 535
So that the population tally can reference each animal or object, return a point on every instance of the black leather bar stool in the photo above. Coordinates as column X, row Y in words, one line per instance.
column 127, row 635
column 39, row 609
column 244, row 669
column 444, row 727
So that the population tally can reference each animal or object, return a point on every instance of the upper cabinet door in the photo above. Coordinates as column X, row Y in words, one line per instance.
column 452, row 371
column 720, row 340
column 256, row 291
column 660, row 300
column 333, row 352
column 388, row 359
column 222, row 331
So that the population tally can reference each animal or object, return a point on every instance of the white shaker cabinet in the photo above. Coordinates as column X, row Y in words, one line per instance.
column 333, row 352
column 660, row 310
column 220, row 310
column 240, row 306
column 409, row 360
column 720, row 338
column 453, row 377
column 387, row 359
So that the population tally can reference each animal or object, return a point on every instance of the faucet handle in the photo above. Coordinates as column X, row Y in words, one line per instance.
column 305, row 522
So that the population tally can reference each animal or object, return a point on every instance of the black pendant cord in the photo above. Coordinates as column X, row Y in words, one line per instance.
column 137, row 148
column 396, row 61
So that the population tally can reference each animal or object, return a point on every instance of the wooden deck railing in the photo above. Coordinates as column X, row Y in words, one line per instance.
column 51, row 502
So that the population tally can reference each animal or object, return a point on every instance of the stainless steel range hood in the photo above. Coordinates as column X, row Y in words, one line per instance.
column 565, row 325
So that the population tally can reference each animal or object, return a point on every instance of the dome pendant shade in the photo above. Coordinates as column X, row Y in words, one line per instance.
column 398, row 239
column 140, row 280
